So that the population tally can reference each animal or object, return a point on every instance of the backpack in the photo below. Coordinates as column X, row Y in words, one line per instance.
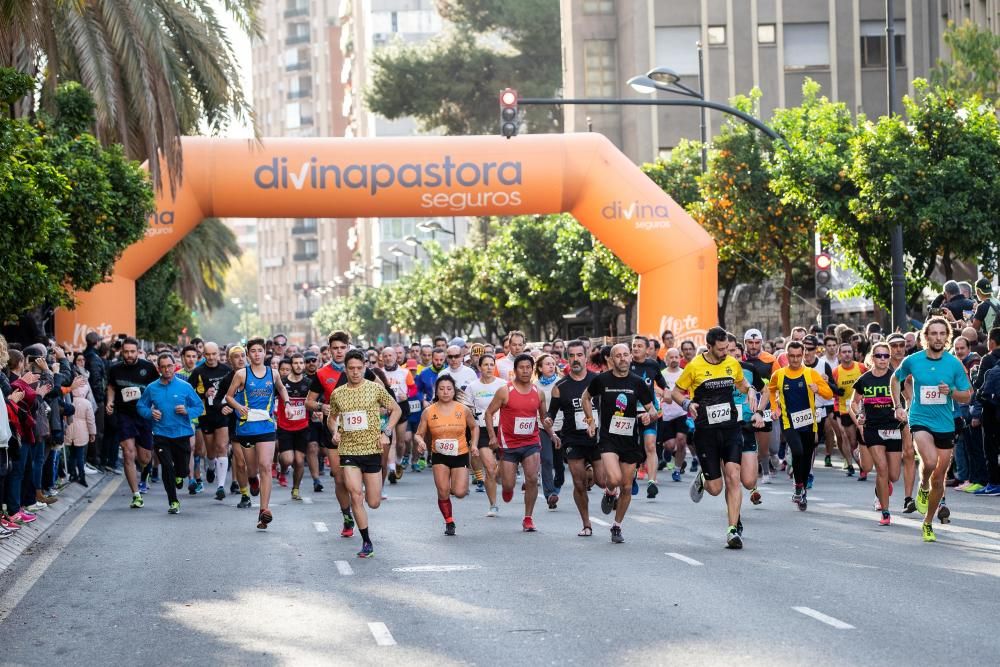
column 992, row 315
column 989, row 392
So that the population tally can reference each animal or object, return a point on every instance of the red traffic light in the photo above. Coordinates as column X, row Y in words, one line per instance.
column 508, row 97
column 823, row 262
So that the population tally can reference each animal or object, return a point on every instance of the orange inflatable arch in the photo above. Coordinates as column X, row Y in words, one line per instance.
column 582, row 174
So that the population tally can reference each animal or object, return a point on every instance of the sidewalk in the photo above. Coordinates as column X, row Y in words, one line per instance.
column 70, row 496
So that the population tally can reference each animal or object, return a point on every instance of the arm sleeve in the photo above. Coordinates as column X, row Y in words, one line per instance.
column 143, row 406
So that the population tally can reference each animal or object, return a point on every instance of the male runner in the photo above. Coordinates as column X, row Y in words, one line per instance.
column 673, row 425
column 646, row 368
column 207, row 381
column 515, row 342
column 898, row 350
column 768, row 439
column 354, row 419
column 127, row 379
column 824, row 406
column 938, row 380
column 402, row 386
column 845, row 375
column 622, row 394
column 189, row 361
column 316, row 450
column 748, row 404
column 293, row 423
column 464, row 376
column 522, row 407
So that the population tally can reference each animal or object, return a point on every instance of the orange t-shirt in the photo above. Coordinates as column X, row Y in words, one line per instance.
column 446, row 430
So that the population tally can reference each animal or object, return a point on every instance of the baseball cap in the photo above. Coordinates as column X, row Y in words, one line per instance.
column 310, row 356
column 459, row 342
column 983, row 285
column 411, row 364
column 810, row 340
column 36, row 350
column 896, row 338
column 752, row 333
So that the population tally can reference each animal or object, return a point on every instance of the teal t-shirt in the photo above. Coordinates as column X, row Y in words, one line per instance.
column 929, row 409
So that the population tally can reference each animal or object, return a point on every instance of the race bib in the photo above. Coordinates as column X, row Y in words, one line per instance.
column 820, row 413
column 296, row 412
column 524, row 425
column 579, row 419
column 889, row 434
column 130, row 394
column 739, row 413
column 801, row 418
column 720, row 413
column 256, row 415
column 621, row 425
column 415, row 406
column 929, row 395
column 446, row 446
column 356, row 421
column 767, row 415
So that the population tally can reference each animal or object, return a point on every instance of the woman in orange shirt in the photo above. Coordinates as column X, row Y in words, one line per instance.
column 446, row 422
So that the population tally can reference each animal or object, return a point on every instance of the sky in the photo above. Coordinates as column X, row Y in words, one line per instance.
column 241, row 44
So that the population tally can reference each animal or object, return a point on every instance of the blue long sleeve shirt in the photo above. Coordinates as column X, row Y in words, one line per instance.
column 166, row 398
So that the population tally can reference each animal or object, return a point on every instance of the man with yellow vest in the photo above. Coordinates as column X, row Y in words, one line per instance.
column 793, row 400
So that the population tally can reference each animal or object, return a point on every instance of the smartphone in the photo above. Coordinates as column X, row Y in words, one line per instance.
column 935, row 311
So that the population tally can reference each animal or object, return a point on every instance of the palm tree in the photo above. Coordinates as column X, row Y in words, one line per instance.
column 156, row 68
column 202, row 259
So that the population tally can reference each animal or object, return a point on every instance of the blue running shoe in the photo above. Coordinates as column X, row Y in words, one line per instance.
column 635, row 487
column 676, row 475
column 143, row 488
column 199, row 487
column 809, row 481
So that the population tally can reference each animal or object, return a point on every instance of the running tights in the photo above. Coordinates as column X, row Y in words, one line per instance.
column 173, row 454
column 802, row 443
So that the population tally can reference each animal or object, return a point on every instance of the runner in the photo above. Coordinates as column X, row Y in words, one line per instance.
column 521, row 407
column 793, row 399
column 445, row 422
column 354, row 421
column 824, row 406
column 257, row 386
column 746, row 406
column 237, row 358
column 648, row 370
column 569, row 420
column 403, row 388
column 316, row 450
column 845, row 375
column 621, row 394
column 831, row 423
column 293, row 423
column 425, row 394
column 872, row 409
column 897, row 347
column 127, row 379
column 481, row 392
column 189, row 361
column 938, row 380
column 674, row 423
column 710, row 379
column 768, row 438
column 514, row 345
column 171, row 404
column 553, row 473
column 464, row 376
column 213, row 424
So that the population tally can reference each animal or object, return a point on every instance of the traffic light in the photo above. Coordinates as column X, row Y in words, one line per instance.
column 823, row 275
column 508, row 112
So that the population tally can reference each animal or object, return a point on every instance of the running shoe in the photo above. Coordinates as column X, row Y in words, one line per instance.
column 697, row 489
column 234, row 486
column 850, row 471
column 528, row 525
column 191, row 488
column 803, row 502
column 739, row 526
column 607, row 503
column 421, row 464
column 317, row 486
column 944, row 514
column 296, row 495
column 616, row 535
column 784, row 466
column 244, row 503
column 10, row 524
column 890, row 488
column 876, row 505
column 797, row 496
column 694, row 464
column 405, row 461
column 480, row 487
column 143, row 488
column 928, row 533
column 862, row 476
column 4, row 532
column 809, row 481
column 136, row 501
column 175, row 507
column 178, row 483
column 198, row 486
column 552, row 501
column 282, row 480
column 988, row 490
column 641, row 472
column 676, row 475
column 963, row 486
column 367, row 550
column 885, row 520
column 651, row 489
column 635, row 487
column 972, row 488
column 827, row 463
column 263, row 518
column 909, row 507
column 210, row 474
column 391, row 477
column 220, row 493
column 254, row 486
column 348, row 529
column 400, row 469
column 449, row 529
column 507, row 495
column 921, row 499
column 493, row 511
column 154, row 479
column 733, row 539
column 755, row 497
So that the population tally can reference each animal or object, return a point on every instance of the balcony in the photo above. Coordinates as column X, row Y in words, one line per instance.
column 303, row 314
column 305, row 121
column 303, row 227
column 296, row 12
column 305, row 256
column 292, row 40
column 299, row 94
column 297, row 67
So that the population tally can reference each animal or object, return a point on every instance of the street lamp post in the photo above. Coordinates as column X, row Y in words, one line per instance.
column 899, row 319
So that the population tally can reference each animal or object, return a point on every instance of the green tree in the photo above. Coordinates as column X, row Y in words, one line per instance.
column 159, row 313
column 974, row 66
column 450, row 83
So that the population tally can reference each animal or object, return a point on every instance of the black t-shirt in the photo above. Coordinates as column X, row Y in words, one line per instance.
column 129, row 381
column 297, row 389
column 649, row 371
column 620, row 398
column 203, row 378
column 569, row 403
column 958, row 305
column 876, row 400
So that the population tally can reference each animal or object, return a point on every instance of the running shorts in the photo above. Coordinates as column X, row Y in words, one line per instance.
column 717, row 445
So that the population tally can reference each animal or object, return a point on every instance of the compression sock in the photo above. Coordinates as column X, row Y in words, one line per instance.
column 221, row 467
column 445, row 507
column 479, row 474
column 364, row 536
column 244, row 490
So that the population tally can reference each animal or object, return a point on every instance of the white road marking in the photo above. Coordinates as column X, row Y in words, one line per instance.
column 823, row 618
column 23, row 584
column 647, row 519
column 599, row 522
column 684, row 559
column 343, row 567
column 381, row 634
column 436, row 568
column 307, row 501
column 320, row 527
column 834, row 505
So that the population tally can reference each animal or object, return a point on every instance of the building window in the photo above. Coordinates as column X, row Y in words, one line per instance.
column 806, row 45
column 599, row 68
column 716, row 35
column 677, row 48
column 873, row 41
column 598, row 7
column 766, row 33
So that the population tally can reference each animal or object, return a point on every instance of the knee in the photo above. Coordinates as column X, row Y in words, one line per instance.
column 374, row 504
column 461, row 494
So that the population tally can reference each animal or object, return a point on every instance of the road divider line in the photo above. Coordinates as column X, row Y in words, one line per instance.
column 343, row 567
column 684, row 559
column 381, row 634
column 320, row 527
column 24, row 583
column 823, row 618
column 307, row 501
column 599, row 522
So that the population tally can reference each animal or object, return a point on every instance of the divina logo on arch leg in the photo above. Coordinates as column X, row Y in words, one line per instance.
column 643, row 216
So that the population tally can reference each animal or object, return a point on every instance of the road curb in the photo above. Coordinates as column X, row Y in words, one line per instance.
column 70, row 496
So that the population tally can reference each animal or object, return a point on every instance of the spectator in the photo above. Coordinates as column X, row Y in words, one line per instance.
column 966, row 289
column 987, row 314
column 955, row 302
column 80, row 432
column 990, row 416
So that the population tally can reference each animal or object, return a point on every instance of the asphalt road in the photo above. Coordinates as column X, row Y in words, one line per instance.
column 110, row 585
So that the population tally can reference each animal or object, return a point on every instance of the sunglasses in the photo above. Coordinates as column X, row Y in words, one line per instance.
column 880, row 355
column 454, row 356
column 809, row 349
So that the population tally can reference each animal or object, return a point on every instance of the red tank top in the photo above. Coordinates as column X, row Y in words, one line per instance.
column 328, row 377
column 519, row 419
